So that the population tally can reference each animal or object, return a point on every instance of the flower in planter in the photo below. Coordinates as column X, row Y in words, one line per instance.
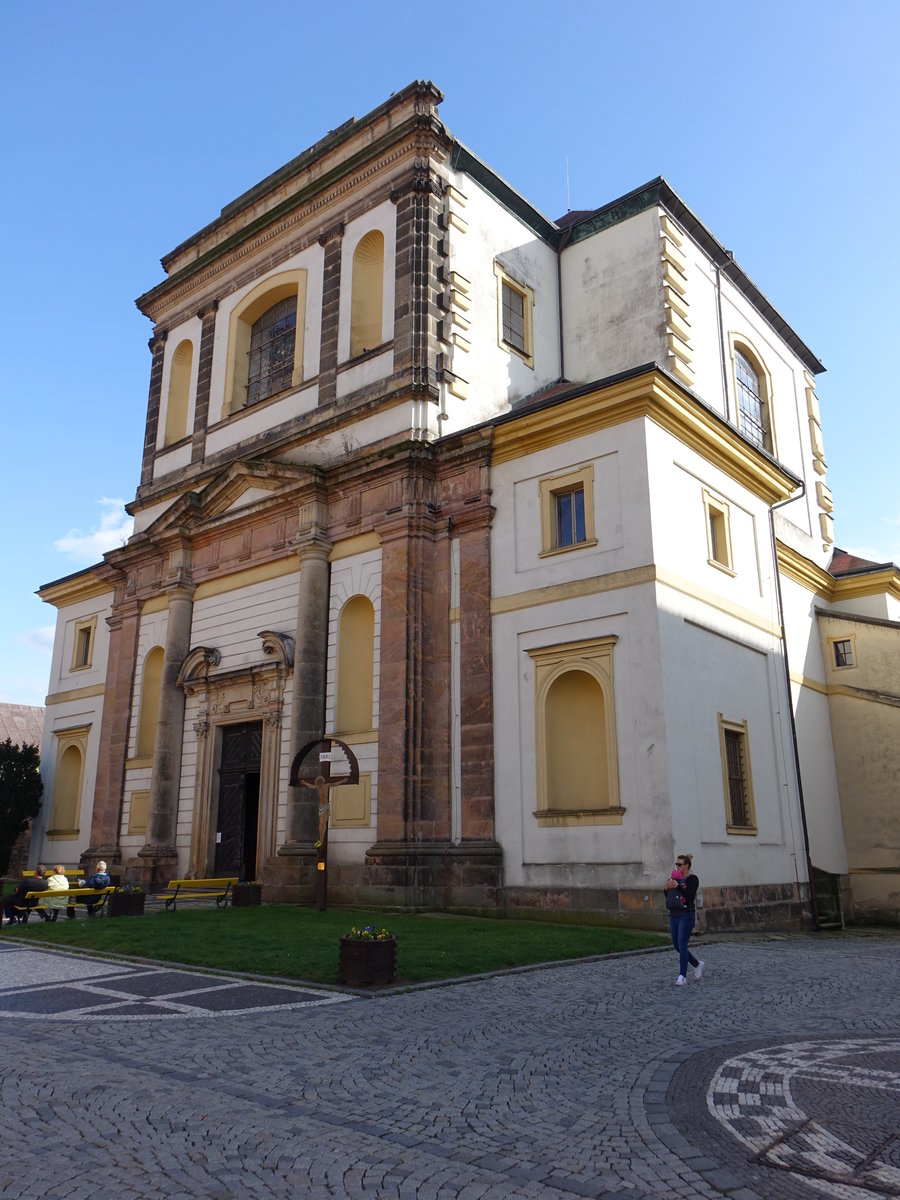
column 369, row 933
column 129, row 889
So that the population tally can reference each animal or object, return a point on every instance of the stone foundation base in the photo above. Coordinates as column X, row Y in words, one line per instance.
column 290, row 876
column 465, row 877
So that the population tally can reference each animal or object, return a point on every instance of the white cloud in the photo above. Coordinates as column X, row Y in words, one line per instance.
column 113, row 530
column 40, row 639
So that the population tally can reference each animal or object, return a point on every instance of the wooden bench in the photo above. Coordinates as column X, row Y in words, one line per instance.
column 198, row 889
column 72, row 896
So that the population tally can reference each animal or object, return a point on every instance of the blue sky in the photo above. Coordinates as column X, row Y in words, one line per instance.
column 127, row 127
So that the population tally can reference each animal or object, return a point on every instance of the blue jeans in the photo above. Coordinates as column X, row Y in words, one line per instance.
column 681, row 926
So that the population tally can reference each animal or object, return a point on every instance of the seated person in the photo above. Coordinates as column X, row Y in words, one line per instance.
column 57, row 882
column 29, row 883
column 99, row 879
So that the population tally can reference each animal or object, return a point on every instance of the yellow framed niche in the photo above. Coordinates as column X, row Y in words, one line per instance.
column 576, row 749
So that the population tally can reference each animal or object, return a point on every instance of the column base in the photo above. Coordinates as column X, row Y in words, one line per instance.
column 155, row 866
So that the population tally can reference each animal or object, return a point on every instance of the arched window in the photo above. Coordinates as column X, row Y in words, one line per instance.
column 366, row 301
column 265, row 341
column 576, row 743
column 752, row 400
column 67, row 779
column 355, row 666
column 151, row 681
column 179, row 393
column 271, row 364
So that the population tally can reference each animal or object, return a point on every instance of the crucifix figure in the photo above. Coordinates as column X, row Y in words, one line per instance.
column 313, row 768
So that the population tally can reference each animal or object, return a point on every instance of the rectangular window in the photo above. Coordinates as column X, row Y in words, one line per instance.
column 515, row 302
column 740, row 816
column 718, row 532
column 83, row 644
column 567, row 511
column 570, row 517
column 843, row 652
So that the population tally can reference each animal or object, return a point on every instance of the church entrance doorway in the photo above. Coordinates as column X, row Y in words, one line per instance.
column 238, row 813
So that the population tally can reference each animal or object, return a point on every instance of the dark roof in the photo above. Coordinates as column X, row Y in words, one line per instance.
column 23, row 724
column 843, row 563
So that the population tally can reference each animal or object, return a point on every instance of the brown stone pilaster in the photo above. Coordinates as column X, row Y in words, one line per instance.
column 472, row 528
column 124, row 626
column 413, row 722
column 157, row 349
column 331, row 307
column 204, row 375
column 415, row 305
column 162, row 809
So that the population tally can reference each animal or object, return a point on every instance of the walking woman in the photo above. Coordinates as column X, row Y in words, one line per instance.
column 681, row 895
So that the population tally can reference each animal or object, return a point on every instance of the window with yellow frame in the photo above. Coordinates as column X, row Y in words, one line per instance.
column 83, row 643
column 567, row 511
column 734, row 743
column 718, row 532
column 515, row 318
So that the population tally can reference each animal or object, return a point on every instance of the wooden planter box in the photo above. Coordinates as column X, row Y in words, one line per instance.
column 245, row 895
column 362, row 963
column 126, row 904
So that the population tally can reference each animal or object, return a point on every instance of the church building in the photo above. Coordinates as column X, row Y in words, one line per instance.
column 532, row 515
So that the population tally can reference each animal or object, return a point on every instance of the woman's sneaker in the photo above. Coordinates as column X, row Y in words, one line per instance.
column 680, row 981
column 698, row 971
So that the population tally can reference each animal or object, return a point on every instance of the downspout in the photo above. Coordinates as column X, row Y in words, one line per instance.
column 790, row 700
column 566, row 238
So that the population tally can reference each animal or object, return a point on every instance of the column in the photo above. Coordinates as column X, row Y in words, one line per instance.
column 310, row 666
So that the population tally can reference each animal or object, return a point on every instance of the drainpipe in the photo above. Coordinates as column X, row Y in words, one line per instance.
column 566, row 237
column 790, row 700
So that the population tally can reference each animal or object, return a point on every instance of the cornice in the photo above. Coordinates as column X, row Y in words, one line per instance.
column 74, row 588
column 651, row 394
column 322, row 192
column 793, row 565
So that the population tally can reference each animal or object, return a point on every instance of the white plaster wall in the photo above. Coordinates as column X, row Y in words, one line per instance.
column 713, row 665
column 384, row 219
column 359, row 575
column 881, row 605
column 261, row 417
column 62, row 675
column 498, row 377
column 311, row 260
column 678, row 477
column 232, row 620
column 621, row 513
column 364, row 373
column 189, row 331
column 626, row 855
column 612, row 300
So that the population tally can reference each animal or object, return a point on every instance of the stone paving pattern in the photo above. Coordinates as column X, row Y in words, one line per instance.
column 588, row 1079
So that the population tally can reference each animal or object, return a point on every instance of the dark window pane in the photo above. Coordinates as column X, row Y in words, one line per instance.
column 570, row 517
column 272, row 340
column 513, row 317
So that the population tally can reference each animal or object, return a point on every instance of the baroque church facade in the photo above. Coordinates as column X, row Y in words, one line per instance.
column 531, row 515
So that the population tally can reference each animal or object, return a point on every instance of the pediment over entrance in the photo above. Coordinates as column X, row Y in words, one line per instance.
column 238, row 487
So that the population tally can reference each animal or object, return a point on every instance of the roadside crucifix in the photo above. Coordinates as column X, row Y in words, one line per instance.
column 322, row 765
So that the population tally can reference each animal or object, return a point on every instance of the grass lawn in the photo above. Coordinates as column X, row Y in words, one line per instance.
column 301, row 943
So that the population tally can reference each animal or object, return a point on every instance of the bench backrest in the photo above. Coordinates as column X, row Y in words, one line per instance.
column 202, row 883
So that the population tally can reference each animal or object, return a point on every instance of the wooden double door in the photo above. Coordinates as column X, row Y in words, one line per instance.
column 237, row 823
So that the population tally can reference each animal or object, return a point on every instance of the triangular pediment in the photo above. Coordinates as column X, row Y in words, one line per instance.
column 240, row 487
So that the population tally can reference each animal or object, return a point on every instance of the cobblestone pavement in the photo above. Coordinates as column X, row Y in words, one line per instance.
column 776, row 1075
